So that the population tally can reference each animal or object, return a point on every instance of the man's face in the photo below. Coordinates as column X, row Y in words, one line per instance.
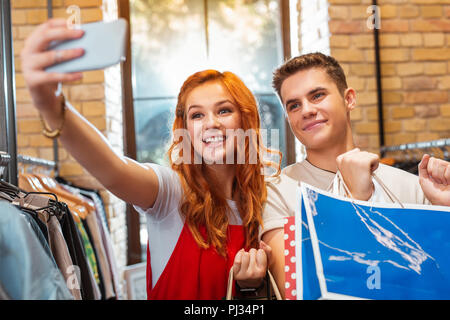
column 317, row 112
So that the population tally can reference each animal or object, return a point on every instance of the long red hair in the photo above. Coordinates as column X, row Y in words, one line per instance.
column 204, row 205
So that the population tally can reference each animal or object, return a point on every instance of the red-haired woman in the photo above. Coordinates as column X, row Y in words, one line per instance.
column 204, row 212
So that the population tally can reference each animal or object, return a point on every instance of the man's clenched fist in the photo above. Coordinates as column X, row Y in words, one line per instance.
column 356, row 167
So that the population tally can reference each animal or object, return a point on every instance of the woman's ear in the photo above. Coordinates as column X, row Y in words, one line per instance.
column 350, row 98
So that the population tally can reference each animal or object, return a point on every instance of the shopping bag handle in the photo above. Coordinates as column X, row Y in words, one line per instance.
column 272, row 283
column 390, row 194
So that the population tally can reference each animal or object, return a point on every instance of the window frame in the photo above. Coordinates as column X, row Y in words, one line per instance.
column 133, row 221
column 7, row 88
column 129, row 139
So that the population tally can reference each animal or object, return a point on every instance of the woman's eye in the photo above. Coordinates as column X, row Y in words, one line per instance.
column 225, row 110
column 196, row 116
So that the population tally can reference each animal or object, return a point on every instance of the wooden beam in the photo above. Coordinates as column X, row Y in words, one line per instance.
column 134, row 252
column 286, row 37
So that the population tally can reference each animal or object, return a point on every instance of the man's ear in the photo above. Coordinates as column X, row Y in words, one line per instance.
column 350, row 98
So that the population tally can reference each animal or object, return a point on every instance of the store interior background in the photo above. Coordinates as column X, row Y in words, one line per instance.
column 414, row 60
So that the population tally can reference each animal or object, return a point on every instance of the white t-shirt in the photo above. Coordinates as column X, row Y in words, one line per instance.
column 281, row 192
column 165, row 221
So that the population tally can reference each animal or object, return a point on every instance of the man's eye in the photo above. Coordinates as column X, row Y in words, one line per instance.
column 294, row 106
column 318, row 95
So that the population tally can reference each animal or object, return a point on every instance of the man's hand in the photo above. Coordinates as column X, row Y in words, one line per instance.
column 356, row 167
column 250, row 267
column 434, row 178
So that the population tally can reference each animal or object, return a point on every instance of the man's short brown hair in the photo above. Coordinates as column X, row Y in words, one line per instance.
column 308, row 61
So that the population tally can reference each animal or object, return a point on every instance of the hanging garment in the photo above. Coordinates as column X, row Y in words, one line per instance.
column 98, row 203
column 48, row 212
column 95, row 289
column 35, row 200
column 109, row 250
column 60, row 252
column 88, row 193
column 79, row 267
column 105, row 237
column 37, row 222
column 73, row 238
column 38, row 232
column 104, row 265
column 99, row 271
column 91, row 259
column 89, row 251
column 26, row 271
column 3, row 294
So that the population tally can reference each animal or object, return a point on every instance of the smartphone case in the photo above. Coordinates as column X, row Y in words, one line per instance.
column 104, row 44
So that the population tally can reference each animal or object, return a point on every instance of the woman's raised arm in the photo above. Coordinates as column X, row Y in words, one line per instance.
column 127, row 179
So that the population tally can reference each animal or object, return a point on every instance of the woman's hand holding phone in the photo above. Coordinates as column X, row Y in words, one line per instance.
column 35, row 57
column 80, row 138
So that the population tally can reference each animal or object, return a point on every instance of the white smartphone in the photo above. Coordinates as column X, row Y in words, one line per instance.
column 104, row 44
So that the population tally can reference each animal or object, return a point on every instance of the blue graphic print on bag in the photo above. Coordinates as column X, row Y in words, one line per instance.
column 360, row 246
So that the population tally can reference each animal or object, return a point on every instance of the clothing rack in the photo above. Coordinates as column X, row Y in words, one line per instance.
column 55, row 141
column 7, row 100
column 55, row 235
column 407, row 156
column 36, row 162
column 4, row 161
column 418, row 145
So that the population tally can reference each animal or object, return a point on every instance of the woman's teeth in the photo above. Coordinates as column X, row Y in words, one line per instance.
column 213, row 139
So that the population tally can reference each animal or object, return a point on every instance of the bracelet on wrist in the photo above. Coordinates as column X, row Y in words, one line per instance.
column 47, row 131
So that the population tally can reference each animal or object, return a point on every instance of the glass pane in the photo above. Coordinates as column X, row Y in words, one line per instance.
column 272, row 118
column 245, row 38
column 153, row 122
column 168, row 44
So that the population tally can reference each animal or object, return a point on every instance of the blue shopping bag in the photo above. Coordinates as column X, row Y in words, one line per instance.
column 372, row 250
column 308, row 286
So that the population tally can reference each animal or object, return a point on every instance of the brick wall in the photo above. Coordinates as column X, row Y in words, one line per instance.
column 114, row 129
column 352, row 44
column 419, row 81
column 415, row 54
column 96, row 97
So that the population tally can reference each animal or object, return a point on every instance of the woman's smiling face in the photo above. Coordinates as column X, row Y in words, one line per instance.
column 210, row 112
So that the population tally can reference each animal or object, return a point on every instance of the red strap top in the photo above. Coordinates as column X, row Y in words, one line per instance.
column 193, row 273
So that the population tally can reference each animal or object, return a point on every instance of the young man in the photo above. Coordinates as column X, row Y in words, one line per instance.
column 318, row 102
